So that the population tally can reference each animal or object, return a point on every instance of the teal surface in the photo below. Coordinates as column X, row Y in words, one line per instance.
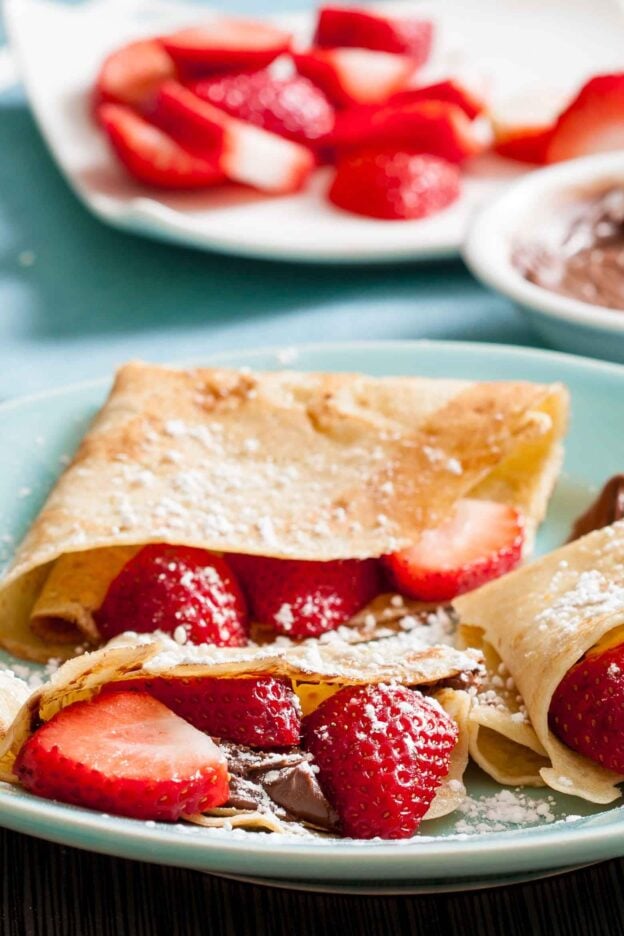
column 39, row 432
column 95, row 296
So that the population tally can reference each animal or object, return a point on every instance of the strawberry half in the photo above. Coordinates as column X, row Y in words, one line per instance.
column 226, row 44
column 306, row 599
column 152, row 156
column 291, row 107
column 355, row 76
column 132, row 74
column 524, row 144
column 434, row 127
column 451, row 90
column 587, row 708
column 478, row 542
column 244, row 153
column 340, row 26
column 260, row 711
column 592, row 123
column 382, row 751
column 127, row 754
column 171, row 587
column 394, row 186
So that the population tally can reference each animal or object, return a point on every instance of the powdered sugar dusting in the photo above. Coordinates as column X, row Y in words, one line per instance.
column 592, row 593
column 507, row 808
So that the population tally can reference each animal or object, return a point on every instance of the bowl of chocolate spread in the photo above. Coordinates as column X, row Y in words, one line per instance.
column 554, row 245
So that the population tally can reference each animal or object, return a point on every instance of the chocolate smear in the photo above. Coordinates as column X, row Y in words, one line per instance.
column 605, row 510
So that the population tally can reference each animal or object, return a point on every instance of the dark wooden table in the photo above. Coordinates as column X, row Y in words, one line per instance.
column 48, row 890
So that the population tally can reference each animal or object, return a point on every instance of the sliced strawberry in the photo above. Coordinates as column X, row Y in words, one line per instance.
column 587, row 708
column 305, row 599
column 434, row 127
column 176, row 589
column 246, row 153
column 382, row 752
column 127, row 754
column 291, row 107
column 592, row 123
column 478, row 542
column 524, row 144
column 355, row 76
column 132, row 74
column 260, row 711
column 450, row 90
column 153, row 157
column 394, row 185
column 226, row 44
column 345, row 26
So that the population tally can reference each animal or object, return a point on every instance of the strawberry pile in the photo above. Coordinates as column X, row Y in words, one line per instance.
column 144, row 749
column 199, row 597
column 211, row 104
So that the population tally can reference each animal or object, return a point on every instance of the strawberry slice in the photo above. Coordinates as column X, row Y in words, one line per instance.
column 132, row 74
column 291, row 107
column 153, row 157
column 355, row 76
column 127, row 754
column 179, row 590
column 436, row 127
column 340, row 26
column 394, row 185
column 259, row 711
column 246, row 154
column 306, row 599
column 524, row 144
column 478, row 542
column 381, row 751
column 450, row 90
column 592, row 123
column 226, row 44
column 587, row 708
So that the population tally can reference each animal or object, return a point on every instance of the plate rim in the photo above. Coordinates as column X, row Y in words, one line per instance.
column 416, row 860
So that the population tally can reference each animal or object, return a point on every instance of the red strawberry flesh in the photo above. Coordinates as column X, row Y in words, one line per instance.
column 527, row 145
column 306, row 599
column 170, row 587
column 132, row 74
column 587, row 708
column 478, row 542
column 382, row 752
column 450, row 90
column 259, row 711
column 394, row 185
column 291, row 107
column 152, row 156
column 592, row 123
column 355, row 76
column 127, row 754
column 344, row 26
column 226, row 44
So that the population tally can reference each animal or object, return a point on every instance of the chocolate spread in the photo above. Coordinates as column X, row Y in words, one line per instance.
column 588, row 261
column 282, row 784
column 606, row 509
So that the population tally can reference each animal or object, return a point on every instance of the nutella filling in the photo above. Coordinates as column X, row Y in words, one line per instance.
column 605, row 510
column 282, row 784
column 588, row 262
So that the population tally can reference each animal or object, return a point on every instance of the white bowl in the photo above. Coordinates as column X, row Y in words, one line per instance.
column 529, row 210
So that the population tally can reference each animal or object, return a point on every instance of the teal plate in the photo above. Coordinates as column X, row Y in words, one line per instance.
column 458, row 852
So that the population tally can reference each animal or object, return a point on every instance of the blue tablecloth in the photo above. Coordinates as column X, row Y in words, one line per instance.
column 77, row 297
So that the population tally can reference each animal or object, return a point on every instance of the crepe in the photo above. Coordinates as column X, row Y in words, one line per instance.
column 539, row 621
column 285, row 464
column 311, row 666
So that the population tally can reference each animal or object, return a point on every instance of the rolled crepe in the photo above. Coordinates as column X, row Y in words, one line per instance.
column 537, row 623
column 316, row 670
column 290, row 465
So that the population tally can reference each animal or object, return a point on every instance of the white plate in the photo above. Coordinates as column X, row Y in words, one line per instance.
column 514, row 44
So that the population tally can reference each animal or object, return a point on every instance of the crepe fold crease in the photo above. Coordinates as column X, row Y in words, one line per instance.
column 309, row 666
column 308, row 466
column 538, row 622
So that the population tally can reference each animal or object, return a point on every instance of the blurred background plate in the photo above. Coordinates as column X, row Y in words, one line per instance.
column 59, row 49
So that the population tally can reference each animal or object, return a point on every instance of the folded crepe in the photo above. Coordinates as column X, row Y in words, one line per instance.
column 533, row 625
column 294, row 465
column 316, row 671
